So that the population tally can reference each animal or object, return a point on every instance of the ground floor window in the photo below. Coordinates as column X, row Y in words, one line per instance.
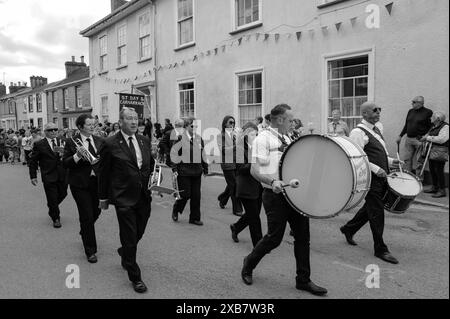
column 40, row 123
column 186, row 91
column 348, row 87
column 65, row 122
column 250, row 93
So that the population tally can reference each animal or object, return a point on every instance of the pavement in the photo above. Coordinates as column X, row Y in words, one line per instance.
column 183, row 261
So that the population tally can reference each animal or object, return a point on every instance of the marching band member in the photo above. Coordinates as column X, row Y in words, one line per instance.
column 46, row 154
column 124, row 171
column 369, row 137
column 267, row 150
column 82, row 178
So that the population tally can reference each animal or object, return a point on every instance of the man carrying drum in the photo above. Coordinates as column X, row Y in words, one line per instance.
column 369, row 137
column 268, row 148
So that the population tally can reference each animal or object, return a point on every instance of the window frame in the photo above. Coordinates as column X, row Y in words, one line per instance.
column 38, row 103
column 326, row 58
column 235, row 20
column 122, row 46
column 142, row 37
column 240, row 73
column 178, row 45
column 78, row 97
column 30, row 104
column 181, row 82
column 65, row 98
column 103, row 56
column 107, row 105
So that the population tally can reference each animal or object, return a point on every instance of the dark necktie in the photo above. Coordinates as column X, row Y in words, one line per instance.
column 91, row 147
column 53, row 144
column 334, row 126
column 132, row 149
column 377, row 130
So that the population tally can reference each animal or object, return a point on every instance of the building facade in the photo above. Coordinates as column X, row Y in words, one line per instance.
column 122, row 59
column 8, row 106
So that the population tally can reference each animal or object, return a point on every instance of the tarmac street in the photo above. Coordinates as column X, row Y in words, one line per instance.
column 180, row 261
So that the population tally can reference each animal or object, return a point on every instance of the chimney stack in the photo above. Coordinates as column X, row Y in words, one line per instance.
column 72, row 66
column 13, row 88
column 82, row 58
column 2, row 89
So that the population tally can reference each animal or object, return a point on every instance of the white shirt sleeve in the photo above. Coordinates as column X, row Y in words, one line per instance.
column 261, row 150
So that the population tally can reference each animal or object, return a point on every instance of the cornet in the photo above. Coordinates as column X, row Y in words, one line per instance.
column 87, row 156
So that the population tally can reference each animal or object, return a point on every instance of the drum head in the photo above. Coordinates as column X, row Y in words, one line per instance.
column 325, row 174
column 404, row 183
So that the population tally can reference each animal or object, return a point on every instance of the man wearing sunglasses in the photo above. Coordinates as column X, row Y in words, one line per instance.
column 369, row 136
column 417, row 125
column 46, row 154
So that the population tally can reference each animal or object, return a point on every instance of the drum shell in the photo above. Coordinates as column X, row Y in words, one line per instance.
column 359, row 170
column 394, row 201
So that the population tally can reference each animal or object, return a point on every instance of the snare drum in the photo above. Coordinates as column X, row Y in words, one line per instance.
column 333, row 171
column 403, row 187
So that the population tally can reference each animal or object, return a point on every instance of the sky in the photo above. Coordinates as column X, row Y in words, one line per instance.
column 38, row 36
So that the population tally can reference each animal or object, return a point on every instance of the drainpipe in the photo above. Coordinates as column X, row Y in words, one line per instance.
column 155, row 60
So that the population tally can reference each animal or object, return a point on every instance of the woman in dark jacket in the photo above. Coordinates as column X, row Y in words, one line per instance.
column 248, row 190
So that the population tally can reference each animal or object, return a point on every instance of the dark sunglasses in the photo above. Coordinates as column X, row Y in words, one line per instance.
column 377, row 109
column 52, row 130
column 231, row 122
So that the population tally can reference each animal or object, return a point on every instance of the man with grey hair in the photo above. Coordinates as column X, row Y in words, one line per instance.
column 47, row 154
column 418, row 123
column 370, row 138
column 124, row 170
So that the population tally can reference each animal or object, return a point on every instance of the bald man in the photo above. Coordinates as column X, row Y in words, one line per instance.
column 369, row 137
column 47, row 154
column 418, row 123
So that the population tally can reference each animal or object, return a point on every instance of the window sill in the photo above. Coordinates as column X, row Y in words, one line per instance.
column 122, row 67
column 246, row 27
column 144, row 60
column 184, row 46
column 321, row 6
column 103, row 73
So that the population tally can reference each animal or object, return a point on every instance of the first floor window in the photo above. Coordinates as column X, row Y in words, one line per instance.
column 250, row 94
column 144, row 36
column 348, row 88
column 247, row 11
column 38, row 102
column 79, row 97
column 103, row 53
column 187, row 99
column 185, row 21
column 30, row 104
column 104, row 106
column 65, row 99
column 122, row 45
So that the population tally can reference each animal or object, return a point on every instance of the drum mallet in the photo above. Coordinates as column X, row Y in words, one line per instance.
column 295, row 183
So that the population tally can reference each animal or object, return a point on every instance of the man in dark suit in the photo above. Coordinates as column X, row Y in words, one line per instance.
column 124, row 170
column 187, row 160
column 83, row 181
column 47, row 154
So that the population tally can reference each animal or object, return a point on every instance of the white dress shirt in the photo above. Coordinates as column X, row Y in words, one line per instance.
column 136, row 147
column 359, row 137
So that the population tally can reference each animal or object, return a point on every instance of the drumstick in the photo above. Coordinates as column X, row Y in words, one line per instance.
column 295, row 183
column 399, row 164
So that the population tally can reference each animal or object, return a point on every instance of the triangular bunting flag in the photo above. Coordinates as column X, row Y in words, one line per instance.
column 215, row 51
column 277, row 36
column 338, row 25
column 353, row 20
column 389, row 7
column 325, row 29
column 223, row 48
column 136, row 78
column 239, row 41
column 208, row 53
column 257, row 36
column 195, row 58
column 175, row 65
column 182, row 62
column 266, row 36
column 299, row 34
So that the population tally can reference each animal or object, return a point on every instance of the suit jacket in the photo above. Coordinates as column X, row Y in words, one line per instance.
column 120, row 179
column 246, row 185
column 51, row 164
column 191, row 162
column 227, row 148
column 79, row 173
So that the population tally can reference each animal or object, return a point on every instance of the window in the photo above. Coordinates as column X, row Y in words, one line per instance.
column 65, row 99
column 122, row 46
column 40, row 122
column 103, row 41
column 30, row 104
column 144, row 37
column 52, row 101
column 55, row 120
column 11, row 107
column 348, row 87
column 247, row 12
column 32, row 123
column 105, row 110
column 25, row 103
column 65, row 122
column 79, row 96
column 187, row 99
column 38, row 102
column 72, row 121
column 249, row 96
column 185, row 22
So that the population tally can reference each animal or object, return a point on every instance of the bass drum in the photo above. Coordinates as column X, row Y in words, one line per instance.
column 333, row 171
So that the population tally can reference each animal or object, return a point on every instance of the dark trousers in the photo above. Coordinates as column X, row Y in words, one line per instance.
column 279, row 212
column 372, row 212
column 251, row 219
column 437, row 174
column 55, row 193
column 27, row 156
column 132, row 223
column 230, row 191
column 190, row 187
column 4, row 153
column 88, row 211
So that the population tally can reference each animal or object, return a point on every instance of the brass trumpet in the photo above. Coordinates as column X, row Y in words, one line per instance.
column 87, row 156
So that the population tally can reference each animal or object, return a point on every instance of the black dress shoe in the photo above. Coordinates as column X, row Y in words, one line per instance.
column 246, row 273
column 174, row 216
column 92, row 259
column 238, row 214
column 440, row 193
column 139, row 287
column 222, row 206
column 312, row 288
column 57, row 223
column 431, row 190
column 196, row 222
column 387, row 257
column 348, row 237
column 234, row 234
